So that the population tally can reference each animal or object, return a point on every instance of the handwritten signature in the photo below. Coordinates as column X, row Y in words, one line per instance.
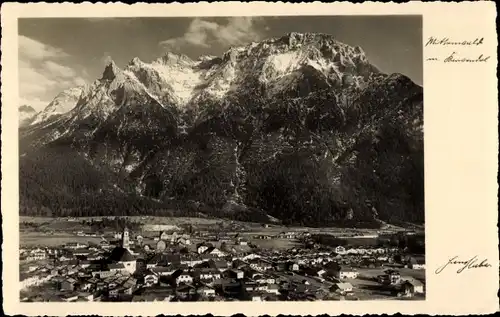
column 447, row 42
column 464, row 265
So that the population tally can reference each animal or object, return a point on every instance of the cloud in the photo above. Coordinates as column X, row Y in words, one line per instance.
column 79, row 81
column 34, row 50
column 238, row 31
column 33, row 81
column 43, row 73
column 59, row 70
column 202, row 33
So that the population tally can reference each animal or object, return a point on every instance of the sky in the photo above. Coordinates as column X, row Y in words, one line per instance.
column 60, row 53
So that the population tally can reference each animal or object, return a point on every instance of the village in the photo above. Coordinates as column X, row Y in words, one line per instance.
column 190, row 265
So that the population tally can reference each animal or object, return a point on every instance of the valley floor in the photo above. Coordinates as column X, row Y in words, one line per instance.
column 54, row 231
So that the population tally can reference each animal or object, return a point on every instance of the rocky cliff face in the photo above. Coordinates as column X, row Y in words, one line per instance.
column 302, row 128
column 61, row 104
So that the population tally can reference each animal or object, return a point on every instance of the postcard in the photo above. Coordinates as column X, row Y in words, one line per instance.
column 255, row 158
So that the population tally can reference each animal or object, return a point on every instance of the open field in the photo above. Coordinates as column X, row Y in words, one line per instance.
column 28, row 239
column 42, row 239
column 276, row 244
column 255, row 228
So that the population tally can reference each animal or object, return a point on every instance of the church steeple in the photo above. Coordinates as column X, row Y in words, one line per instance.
column 125, row 238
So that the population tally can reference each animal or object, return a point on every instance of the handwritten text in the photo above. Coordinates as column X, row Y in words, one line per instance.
column 472, row 263
column 446, row 41
column 456, row 57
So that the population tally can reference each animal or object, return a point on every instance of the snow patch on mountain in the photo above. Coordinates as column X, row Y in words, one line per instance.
column 95, row 100
column 182, row 80
column 177, row 81
column 63, row 103
column 282, row 63
column 221, row 82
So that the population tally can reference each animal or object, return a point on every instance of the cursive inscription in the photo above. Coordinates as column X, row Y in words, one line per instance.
column 447, row 42
column 472, row 263
column 455, row 57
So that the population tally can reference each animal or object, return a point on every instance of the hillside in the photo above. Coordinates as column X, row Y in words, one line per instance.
column 302, row 128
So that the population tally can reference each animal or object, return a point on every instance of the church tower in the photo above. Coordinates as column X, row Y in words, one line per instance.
column 125, row 238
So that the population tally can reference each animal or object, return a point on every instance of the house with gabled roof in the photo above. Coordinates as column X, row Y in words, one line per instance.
column 393, row 276
column 273, row 289
column 202, row 247
column 156, row 260
column 260, row 265
column 121, row 255
column 346, row 273
column 163, row 270
column 215, row 252
column 116, row 267
column 70, row 297
column 342, row 288
column 416, row 287
column 206, row 291
column 416, row 263
column 208, row 273
column 68, row 284
column 185, row 290
column 150, row 278
column 220, row 265
column 184, row 277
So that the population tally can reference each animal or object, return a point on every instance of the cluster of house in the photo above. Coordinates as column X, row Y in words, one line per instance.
column 282, row 235
column 133, row 272
column 377, row 256
column 86, row 234
column 34, row 254
column 363, row 250
column 407, row 286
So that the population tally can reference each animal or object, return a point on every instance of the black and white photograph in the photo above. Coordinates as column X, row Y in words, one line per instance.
column 236, row 158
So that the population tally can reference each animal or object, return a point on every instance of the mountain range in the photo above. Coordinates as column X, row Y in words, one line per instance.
column 302, row 129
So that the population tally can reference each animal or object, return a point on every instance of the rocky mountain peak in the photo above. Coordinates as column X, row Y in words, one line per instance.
column 170, row 58
column 278, row 65
column 135, row 61
column 64, row 102
column 307, row 38
column 110, row 71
